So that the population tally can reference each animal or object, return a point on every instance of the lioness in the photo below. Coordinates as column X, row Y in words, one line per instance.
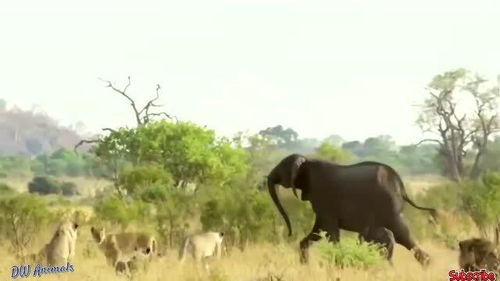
column 61, row 248
column 202, row 246
column 120, row 249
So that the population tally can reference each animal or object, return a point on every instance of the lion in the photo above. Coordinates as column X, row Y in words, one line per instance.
column 477, row 254
column 122, row 249
column 201, row 246
column 61, row 248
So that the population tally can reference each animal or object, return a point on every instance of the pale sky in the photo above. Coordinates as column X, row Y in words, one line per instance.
column 353, row 68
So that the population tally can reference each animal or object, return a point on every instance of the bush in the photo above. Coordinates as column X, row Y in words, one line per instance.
column 174, row 214
column 118, row 211
column 154, row 194
column 212, row 214
column 44, row 185
column 5, row 189
column 481, row 200
column 14, row 166
column 248, row 215
column 330, row 152
column 350, row 252
column 20, row 218
column 69, row 189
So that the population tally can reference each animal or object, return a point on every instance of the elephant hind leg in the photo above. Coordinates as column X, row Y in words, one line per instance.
column 403, row 237
column 383, row 236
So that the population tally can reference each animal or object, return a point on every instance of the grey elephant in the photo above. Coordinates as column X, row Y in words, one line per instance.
column 366, row 195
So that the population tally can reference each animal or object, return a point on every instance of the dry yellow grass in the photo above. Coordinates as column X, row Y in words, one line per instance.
column 418, row 184
column 258, row 262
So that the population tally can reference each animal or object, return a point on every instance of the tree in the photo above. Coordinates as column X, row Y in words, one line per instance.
column 355, row 147
column 492, row 158
column 282, row 136
column 486, row 122
column 142, row 115
column 140, row 179
column 263, row 155
column 422, row 159
column 190, row 153
column 455, row 131
column 330, row 152
column 334, row 139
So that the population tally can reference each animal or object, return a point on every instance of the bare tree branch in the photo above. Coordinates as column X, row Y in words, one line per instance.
column 109, row 130
column 83, row 142
column 429, row 140
column 151, row 102
column 142, row 116
column 124, row 94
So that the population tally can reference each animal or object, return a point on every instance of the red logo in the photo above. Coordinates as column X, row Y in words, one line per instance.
column 481, row 275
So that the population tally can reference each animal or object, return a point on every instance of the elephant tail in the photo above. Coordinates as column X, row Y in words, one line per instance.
column 393, row 175
column 433, row 211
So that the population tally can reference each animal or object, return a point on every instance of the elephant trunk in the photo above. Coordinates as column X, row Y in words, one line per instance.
column 272, row 191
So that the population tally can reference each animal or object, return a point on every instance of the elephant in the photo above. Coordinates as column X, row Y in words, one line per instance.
column 353, row 197
column 380, row 235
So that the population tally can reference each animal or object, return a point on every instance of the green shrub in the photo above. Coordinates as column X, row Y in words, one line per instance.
column 69, row 189
column 20, row 219
column 15, row 166
column 243, row 210
column 173, row 215
column 349, row 252
column 154, row 194
column 5, row 189
column 212, row 214
column 121, row 212
column 44, row 185
column 481, row 200
column 478, row 200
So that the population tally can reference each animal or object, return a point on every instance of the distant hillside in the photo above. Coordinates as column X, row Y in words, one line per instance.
column 28, row 133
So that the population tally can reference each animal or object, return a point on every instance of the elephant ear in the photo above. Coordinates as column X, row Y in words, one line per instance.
column 299, row 160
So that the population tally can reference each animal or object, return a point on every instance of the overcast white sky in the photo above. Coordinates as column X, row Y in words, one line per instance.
column 354, row 68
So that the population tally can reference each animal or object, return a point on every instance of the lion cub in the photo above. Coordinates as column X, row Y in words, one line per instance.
column 120, row 249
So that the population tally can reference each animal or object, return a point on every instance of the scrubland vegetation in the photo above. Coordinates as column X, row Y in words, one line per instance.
column 171, row 178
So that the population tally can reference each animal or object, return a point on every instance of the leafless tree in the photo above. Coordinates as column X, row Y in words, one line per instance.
column 142, row 115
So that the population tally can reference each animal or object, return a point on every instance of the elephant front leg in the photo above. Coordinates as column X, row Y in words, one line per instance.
column 307, row 241
column 305, row 244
